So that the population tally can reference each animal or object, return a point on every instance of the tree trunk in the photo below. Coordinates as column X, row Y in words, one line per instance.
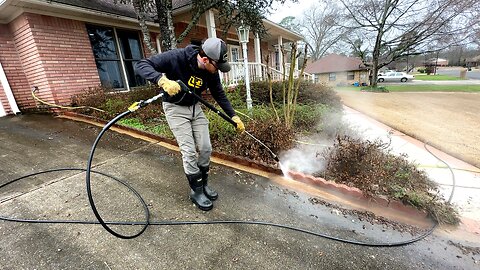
column 165, row 22
column 142, row 18
column 376, row 55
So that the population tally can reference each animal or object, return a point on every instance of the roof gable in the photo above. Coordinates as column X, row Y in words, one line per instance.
column 335, row 63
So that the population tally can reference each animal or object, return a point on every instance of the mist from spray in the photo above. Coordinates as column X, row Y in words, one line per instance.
column 308, row 156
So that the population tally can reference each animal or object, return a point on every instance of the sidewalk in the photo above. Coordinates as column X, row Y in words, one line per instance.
column 467, row 177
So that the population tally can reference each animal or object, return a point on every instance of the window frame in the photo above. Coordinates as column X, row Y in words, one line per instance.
column 120, row 57
column 332, row 76
column 350, row 75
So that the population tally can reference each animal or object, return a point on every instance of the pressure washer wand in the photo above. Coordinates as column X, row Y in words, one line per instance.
column 140, row 104
column 204, row 102
column 260, row 142
column 223, row 115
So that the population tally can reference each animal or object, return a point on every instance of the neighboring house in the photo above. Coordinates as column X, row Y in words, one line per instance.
column 439, row 62
column 473, row 62
column 64, row 47
column 338, row 70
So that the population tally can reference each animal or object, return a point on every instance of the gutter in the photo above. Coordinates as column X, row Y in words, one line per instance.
column 81, row 11
column 8, row 92
column 2, row 110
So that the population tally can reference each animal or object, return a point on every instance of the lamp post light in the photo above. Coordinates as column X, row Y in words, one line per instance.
column 242, row 31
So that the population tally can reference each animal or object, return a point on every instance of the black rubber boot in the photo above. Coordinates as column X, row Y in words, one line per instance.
column 209, row 192
column 196, row 195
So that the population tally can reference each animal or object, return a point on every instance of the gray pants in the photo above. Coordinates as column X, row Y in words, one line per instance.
column 190, row 128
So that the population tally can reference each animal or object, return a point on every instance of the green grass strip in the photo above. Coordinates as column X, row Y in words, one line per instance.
column 424, row 77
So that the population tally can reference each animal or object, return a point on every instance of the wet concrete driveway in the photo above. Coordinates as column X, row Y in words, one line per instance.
column 32, row 143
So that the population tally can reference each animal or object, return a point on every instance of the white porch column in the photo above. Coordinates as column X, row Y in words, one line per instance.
column 159, row 47
column 280, row 54
column 258, row 58
column 8, row 92
column 211, row 30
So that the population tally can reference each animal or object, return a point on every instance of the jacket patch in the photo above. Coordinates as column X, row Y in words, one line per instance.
column 195, row 82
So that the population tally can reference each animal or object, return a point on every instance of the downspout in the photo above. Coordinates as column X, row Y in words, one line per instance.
column 8, row 91
column 2, row 110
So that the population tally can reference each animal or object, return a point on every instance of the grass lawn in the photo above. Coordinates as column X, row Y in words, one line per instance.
column 425, row 77
column 422, row 88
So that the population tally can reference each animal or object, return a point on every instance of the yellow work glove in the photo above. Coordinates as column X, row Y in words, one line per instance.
column 240, row 125
column 171, row 87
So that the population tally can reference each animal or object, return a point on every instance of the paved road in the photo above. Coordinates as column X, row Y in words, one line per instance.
column 422, row 82
column 473, row 74
column 32, row 143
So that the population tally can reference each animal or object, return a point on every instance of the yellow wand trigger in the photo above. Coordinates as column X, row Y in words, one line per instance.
column 135, row 106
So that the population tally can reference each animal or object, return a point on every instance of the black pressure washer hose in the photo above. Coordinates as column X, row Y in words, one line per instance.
column 148, row 222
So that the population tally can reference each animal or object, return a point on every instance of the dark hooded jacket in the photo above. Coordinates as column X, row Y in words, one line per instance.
column 182, row 64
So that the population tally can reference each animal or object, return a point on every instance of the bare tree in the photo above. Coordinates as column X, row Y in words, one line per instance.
column 409, row 27
column 291, row 23
column 322, row 27
column 476, row 39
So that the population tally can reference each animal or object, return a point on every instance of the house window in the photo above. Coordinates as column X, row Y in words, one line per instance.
column 350, row 76
column 332, row 76
column 235, row 53
column 116, row 52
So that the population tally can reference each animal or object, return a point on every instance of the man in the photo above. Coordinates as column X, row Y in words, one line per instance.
column 197, row 67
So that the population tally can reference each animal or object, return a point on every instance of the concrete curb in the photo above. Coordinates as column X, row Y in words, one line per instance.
column 356, row 194
column 352, row 193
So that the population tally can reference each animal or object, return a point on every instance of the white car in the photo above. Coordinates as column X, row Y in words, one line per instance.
column 395, row 77
column 384, row 73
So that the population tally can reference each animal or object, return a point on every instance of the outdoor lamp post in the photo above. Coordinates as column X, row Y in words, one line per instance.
column 242, row 31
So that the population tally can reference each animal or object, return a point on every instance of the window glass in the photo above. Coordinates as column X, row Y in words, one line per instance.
column 103, row 42
column 235, row 54
column 350, row 76
column 332, row 76
column 107, row 57
column 131, row 52
column 110, row 74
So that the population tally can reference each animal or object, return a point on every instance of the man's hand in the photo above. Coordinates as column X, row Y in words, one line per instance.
column 240, row 125
column 171, row 87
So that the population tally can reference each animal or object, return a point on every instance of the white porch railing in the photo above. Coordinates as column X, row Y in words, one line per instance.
column 257, row 72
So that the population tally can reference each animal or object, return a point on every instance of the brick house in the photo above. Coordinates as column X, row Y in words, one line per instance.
column 63, row 47
column 439, row 62
column 473, row 62
column 338, row 70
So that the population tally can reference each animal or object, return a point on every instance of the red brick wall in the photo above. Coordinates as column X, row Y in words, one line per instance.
column 13, row 69
column 197, row 32
column 56, row 56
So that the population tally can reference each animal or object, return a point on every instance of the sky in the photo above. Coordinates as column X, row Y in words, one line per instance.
column 289, row 9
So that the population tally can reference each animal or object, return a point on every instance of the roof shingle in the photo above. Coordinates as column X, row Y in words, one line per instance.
column 109, row 6
column 335, row 63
